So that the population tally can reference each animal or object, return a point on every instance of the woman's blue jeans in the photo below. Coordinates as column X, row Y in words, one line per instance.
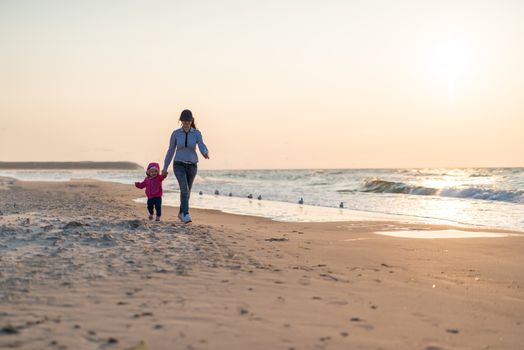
column 185, row 174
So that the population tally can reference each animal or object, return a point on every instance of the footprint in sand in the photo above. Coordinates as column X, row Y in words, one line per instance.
column 8, row 330
column 324, row 339
column 361, row 325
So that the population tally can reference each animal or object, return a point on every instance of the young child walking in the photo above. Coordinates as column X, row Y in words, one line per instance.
column 153, row 185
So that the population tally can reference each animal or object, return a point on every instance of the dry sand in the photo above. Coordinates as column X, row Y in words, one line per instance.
column 81, row 268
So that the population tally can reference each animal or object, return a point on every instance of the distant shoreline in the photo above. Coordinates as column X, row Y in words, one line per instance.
column 70, row 165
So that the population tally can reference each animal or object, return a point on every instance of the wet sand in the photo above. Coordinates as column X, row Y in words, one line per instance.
column 82, row 268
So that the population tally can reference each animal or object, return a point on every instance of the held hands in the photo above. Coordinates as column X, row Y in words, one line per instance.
column 164, row 173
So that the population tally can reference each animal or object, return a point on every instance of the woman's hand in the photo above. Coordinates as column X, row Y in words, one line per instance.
column 164, row 173
column 206, row 155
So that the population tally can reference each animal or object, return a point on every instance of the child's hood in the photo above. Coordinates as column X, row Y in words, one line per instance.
column 152, row 165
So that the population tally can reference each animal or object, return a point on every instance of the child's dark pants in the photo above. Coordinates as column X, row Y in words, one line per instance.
column 155, row 202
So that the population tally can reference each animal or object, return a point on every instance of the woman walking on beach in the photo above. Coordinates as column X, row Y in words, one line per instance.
column 184, row 141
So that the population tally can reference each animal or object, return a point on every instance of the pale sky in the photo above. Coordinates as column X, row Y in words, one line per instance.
column 272, row 84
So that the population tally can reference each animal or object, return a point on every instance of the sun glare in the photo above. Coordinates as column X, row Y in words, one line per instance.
column 449, row 63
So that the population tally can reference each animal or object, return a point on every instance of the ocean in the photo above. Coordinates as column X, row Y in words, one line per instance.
column 492, row 197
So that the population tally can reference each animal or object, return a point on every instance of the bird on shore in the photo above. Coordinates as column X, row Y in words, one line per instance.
column 259, row 197
column 341, row 205
column 301, row 201
column 250, row 196
column 216, row 192
column 200, row 193
column 230, row 194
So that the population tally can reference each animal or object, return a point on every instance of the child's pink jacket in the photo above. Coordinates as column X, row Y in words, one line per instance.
column 153, row 185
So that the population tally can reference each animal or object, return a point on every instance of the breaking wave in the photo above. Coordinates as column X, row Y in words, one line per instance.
column 383, row 186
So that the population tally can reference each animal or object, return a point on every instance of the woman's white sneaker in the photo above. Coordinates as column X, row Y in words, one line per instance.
column 181, row 217
column 187, row 219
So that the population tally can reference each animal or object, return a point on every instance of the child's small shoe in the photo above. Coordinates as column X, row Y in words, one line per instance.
column 157, row 218
column 150, row 217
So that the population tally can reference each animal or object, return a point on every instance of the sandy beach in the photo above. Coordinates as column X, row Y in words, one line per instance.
column 82, row 268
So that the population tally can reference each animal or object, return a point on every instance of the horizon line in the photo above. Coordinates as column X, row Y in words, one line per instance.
column 298, row 168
